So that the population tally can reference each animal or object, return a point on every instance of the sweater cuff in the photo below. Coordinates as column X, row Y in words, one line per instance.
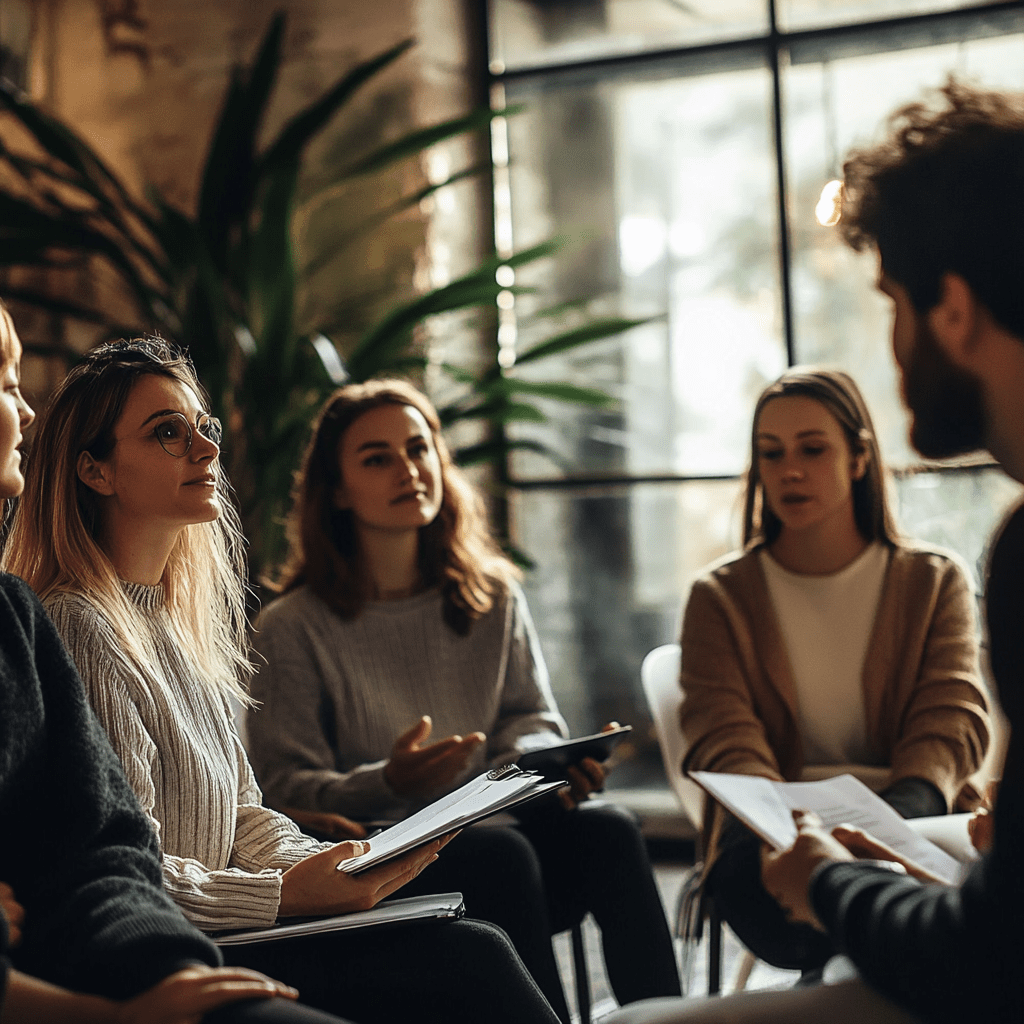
column 913, row 797
column 834, row 883
column 364, row 794
column 234, row 899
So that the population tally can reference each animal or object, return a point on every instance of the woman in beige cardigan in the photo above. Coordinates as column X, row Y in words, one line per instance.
column 828, row 640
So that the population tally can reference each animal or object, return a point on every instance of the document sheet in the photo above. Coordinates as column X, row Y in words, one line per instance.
column 767, row 806
column 479, row 798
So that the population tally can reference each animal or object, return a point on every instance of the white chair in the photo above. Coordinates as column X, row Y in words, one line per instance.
column 659, row 676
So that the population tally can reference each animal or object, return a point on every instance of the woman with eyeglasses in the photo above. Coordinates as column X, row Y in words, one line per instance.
column 127, row 532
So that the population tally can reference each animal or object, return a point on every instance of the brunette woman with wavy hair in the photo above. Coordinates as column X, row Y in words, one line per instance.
column 399, row 616
column 456, row 550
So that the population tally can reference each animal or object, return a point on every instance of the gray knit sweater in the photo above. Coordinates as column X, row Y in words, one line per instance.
column 336, row 694
column 223, row 853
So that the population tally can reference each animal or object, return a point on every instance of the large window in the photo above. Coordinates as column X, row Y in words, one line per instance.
column 684, row 147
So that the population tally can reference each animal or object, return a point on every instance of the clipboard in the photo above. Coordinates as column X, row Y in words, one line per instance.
column 442, row 906
column 487, row 794
column 554, row 760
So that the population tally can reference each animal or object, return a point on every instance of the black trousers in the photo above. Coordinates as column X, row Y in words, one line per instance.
column 431, row 972
column 543, row 875
column 758, row 921
column 269, row 1011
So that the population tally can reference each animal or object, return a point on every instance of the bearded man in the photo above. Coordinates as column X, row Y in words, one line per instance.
column 941, row 202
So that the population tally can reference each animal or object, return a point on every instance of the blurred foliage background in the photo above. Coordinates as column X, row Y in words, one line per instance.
column 225, row 280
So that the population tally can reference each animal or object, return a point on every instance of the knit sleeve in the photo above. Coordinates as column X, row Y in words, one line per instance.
column 898, row 932
column 717, row 716
column 99, row 920
column 528, row 718
column 264, row 838
column 211, row 899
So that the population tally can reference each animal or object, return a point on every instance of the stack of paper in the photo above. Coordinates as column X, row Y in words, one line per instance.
column 767, row 806
column 414, row 908
column 481, row 797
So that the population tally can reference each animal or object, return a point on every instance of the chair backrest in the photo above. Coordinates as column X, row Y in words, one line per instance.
column 659, row 675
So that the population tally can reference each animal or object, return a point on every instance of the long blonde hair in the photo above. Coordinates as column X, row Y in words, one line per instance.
column 52, row 544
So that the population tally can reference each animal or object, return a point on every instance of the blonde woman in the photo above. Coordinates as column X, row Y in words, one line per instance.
column 86, row 934
column 127, row 532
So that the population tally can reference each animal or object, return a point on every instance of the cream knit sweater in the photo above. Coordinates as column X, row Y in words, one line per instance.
column 223, row 852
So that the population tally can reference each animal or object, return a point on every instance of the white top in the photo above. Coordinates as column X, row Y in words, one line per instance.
column 223, row 852
column 826, row 624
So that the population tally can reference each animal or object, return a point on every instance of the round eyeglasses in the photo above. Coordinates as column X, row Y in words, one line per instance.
column 175, row 433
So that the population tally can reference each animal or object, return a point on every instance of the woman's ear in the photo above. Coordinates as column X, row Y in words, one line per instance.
column 860, row 465
column 93, row 474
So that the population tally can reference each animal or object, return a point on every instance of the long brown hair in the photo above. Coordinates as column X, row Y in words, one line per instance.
column 456, row 551
column 839, row 394
column 52, row 544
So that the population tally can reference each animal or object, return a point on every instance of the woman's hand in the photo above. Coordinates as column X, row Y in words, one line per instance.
column 13, row 911
column 315, row 886
column 585, row 778
column 414, row 770
column 786, row 874
column 337, row 826
column 982, row 825
column 865, row 846
column 184, row 997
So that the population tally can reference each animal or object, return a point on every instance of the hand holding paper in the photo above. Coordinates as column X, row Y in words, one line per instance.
column 316, row 886
column 766, row 807
column 866, row 847
column 787, row 874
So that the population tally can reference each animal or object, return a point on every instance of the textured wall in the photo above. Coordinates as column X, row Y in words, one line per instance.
column 142, row 82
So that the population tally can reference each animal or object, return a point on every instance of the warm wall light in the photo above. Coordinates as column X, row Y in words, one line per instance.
column 830, row 204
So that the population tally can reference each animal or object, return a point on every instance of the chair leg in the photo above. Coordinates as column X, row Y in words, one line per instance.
column 579, row 962
column 745, row 969
column 714, row 949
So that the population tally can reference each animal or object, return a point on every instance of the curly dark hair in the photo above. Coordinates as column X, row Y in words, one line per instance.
column 943, row 193
column 457, row 552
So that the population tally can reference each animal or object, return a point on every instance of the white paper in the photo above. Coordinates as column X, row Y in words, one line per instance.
column 477, row 799
column 413, row 908
column 766, row 806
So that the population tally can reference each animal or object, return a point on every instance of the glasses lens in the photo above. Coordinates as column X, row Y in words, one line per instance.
column 174, row 435
column 211, row 429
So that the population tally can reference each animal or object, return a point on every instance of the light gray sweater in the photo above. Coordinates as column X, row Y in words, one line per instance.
column 223, row 852
column 336, row 694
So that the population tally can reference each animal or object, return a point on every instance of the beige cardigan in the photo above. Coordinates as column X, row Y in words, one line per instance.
column 925, row 706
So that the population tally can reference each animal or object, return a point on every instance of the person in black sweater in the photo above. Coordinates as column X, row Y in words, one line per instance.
column 940, row 202
column 87, row 934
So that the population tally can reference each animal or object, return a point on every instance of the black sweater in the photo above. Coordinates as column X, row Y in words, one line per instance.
column 74, row 844
column 952, row 954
